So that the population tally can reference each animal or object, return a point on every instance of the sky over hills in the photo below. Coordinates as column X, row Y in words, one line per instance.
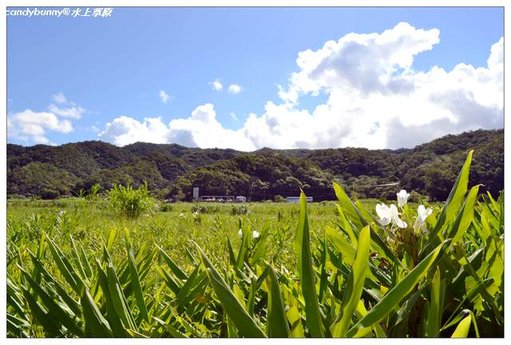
column 247, row 78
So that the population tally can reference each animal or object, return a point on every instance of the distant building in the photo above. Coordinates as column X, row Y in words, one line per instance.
column 195, row 193
column 223, row 198
column 297, row 199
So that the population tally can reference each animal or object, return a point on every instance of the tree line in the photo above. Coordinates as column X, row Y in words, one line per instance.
column 171, row 171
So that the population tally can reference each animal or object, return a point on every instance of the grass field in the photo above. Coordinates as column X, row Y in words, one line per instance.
column 81, row 268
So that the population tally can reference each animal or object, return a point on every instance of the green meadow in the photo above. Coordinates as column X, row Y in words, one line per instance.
column 127, row 265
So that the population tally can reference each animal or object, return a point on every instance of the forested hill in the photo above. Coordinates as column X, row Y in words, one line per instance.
column 171, row 171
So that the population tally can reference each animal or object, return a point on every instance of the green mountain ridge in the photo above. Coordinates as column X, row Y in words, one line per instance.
column 172, row 171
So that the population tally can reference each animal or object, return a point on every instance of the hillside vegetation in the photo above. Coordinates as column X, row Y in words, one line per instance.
column 171, row 170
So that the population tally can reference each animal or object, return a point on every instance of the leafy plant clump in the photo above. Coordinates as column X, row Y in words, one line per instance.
column 131, row 202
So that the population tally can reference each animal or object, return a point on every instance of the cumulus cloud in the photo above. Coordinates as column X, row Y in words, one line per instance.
column 217, row 85
column 374, row 98
column 234, row 89
column 164, row 97
column 200, row 129
column 33, row 126
column 125, row 130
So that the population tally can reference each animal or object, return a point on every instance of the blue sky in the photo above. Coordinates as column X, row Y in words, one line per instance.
column 388, row 78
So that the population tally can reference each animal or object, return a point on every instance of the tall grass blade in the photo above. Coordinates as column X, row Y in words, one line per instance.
column 355, row 284
column 246, row 326
column 95, row 323
column 277, row 322
column 306, row 272
column 135, row 282
column 65, row 267
column 434, row 316
column 453, row 203
column 178, row 272
column 465, row 216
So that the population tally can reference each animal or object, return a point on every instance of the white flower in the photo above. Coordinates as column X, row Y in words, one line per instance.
column 402, row 197
column 255, row 234
column 389, row 214
column 422, row 214
column 240, row 233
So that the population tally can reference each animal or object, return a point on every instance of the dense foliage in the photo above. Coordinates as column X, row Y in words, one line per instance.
column 75, row 269
column 172, row 170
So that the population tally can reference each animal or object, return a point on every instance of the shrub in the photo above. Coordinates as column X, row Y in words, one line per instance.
column 131, row 202
column 239, row 210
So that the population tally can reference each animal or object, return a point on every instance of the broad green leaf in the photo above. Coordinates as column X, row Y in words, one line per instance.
column 463, row 328
column 348, row 207
column 454, row 200
column 65, row 267
column 355, row 284
column 118, row 298
column 306, row 272
column 295, row 321
column 341, row 244
column 277, row 322
column 95, row 323
column 394, row 296
column 114, row 319
column 434, row 316
column 178, row 272
column 246, row 326
column 58, row 312
column 465, row 216
column 135, row 282
column 50, row 326
column 111, row 238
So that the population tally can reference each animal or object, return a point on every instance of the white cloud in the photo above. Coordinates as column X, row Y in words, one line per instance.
column 200, row 129
column 233, row 116
column 164, row 97
column 234, row 89
column 217, row 85
column 59, row 98
column 72, row 111
column 33, row 126
column 125, row 130
column 374, row 99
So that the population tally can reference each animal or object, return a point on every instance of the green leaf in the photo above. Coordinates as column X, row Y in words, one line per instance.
column 118, row 298
column 277, row 321
column 114, row 319
column 65, row 267
column 58, row 312
column 306, row 272
column 453, row 203
column 135, row 281
column 95, row 323
column 394, row 296
column 434, row 316
column 178, row 272
column 355, row 284
column 350, row 210
column 463, row 327
column 465, row 216
column 246, row 326
column 341, row 244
